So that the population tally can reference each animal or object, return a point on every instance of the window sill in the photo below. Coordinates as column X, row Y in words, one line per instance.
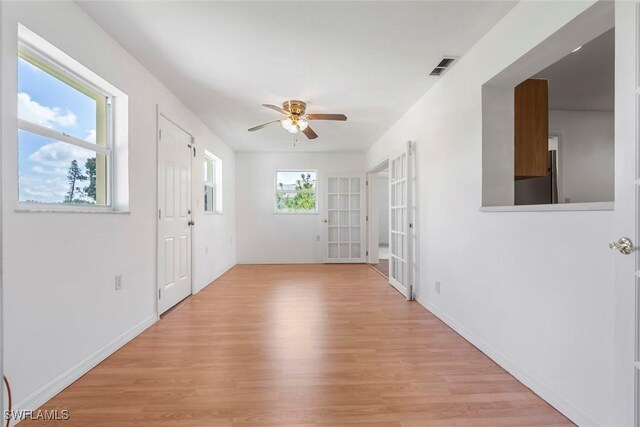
column 560, row 207
column 296, row 213
column 71, row 211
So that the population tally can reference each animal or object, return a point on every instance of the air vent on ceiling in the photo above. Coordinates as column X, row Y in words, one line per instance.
column 443, row 65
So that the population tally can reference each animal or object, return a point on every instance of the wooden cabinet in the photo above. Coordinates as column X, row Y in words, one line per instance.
column 531, row 117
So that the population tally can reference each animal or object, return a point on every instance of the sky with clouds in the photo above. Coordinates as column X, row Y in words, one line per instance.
column 289, row 179
column 43, row 163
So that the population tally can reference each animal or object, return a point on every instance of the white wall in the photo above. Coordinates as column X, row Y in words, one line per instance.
column 586, row 154
column 267, row 237
column 2, row 402
column 60, row 321
column 382, row 185
column 533, row 290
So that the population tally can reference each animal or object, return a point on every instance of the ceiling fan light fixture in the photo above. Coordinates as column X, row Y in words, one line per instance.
column 287, row 124
column 297, row 120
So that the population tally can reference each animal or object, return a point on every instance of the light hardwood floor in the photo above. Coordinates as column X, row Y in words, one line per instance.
column 295, row 346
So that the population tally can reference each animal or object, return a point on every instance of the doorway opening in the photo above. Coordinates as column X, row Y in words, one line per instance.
column 400, row 245
column 379, row 219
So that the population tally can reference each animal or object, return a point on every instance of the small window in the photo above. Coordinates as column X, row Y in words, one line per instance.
column 212, row 183
column 64, row 147
column 296, row 191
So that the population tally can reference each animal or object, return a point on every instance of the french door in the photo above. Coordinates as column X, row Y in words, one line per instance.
column 344, row 231
column 400, row 226
column 174, row 214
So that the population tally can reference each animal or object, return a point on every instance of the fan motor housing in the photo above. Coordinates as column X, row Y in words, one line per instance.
column 294, row 107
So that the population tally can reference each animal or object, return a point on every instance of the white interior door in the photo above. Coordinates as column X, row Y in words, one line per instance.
column 627, row 196
column 399, row 222
column 174, row 214
column 344, row 232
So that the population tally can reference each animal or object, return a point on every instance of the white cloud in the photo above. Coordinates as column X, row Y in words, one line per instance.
column 60, row 155
column 43, row 188
column 32, row 111
column 91, row 136
column 47, row 180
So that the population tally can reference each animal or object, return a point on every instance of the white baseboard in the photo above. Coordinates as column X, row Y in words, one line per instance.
column 62, row 381
column 546, row 393
column 280, row 262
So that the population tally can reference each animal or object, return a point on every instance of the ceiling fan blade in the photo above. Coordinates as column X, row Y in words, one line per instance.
column 276, row 108
column 309, row 133
column 262, row 125
column 339, row 117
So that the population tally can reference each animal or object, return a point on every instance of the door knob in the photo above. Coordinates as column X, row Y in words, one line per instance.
column 624, row 245
column 190, row 223
column 325, row 220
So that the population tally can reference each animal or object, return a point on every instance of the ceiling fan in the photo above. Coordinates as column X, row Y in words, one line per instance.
column 297, row 120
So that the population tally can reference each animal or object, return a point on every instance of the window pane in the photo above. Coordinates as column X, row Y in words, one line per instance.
column 51, row 171
column 296, row 202
column 209, row 199
column 297, row 180
column 208, row 171
column 53, row 103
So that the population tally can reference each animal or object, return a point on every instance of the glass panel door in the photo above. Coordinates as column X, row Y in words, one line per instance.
column 399, row 228
column 344, row 230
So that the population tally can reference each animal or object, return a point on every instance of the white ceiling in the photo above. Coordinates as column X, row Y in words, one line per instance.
column 584, row 80
column 368, row 60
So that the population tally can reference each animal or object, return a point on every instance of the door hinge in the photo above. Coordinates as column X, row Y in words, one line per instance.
column 410, row 225
column 159, row 133
column 194, row 151
column 366, row 218
column 160, row 293
column 159, row 213
column 367, row 253
column 366, row 183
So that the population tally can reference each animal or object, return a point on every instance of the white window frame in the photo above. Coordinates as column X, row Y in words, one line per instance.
column 215, row 183
column 116, row 126
column 278, row 191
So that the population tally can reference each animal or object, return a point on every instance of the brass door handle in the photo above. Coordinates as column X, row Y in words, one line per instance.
column 623, row 245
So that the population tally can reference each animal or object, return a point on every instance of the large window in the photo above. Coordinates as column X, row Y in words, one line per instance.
column 296, row 191
column 212, row 183
column 64, row 140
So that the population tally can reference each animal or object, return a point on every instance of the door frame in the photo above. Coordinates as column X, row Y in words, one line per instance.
column 372, row 208
column 161, row 113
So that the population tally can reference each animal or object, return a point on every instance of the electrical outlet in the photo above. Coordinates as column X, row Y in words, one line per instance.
column 118, row 282
column 437, row 286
